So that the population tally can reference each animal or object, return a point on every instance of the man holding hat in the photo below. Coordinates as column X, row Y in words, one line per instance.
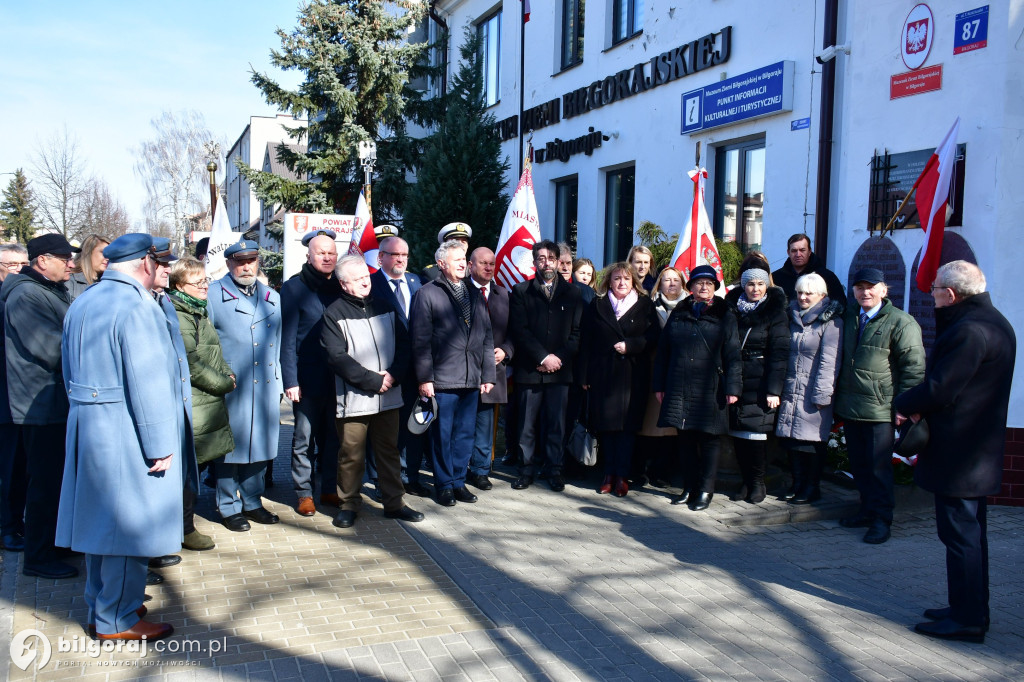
column 883, row 356
column 128, row 442
column 247, row 316
column 35, row 303
column 304, row 299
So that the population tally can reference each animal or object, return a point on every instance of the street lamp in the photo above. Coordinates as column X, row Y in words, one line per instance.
column 212, row 169
column 367, row 159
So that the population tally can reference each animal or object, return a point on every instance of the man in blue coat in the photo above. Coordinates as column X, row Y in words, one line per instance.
column 127, row 439
column 247, row 316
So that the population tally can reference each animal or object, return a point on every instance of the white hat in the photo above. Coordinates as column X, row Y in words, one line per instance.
column 454, row 231
column 384, row 231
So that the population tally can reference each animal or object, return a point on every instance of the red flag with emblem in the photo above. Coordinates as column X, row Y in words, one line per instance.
column 696, row 245
column 364, row 241
column 513, row 257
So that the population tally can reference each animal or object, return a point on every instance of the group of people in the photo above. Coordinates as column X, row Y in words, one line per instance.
column 390, row 373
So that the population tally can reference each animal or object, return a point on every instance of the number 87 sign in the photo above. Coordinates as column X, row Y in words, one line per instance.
column 971, row 30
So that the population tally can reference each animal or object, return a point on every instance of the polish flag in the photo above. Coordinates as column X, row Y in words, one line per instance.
column 696, row 244
column 526, row 10
column 513, row 260
column 364, row 241
column 932, row 198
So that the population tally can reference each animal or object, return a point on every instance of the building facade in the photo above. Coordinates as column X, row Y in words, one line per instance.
column 617, row 95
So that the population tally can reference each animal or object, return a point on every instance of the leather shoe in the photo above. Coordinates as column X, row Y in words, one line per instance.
column 741, row 493
column 236, row 522
column 404, row 514
column 859, row 520
column 700, row 501
column 417, row 489
column 306, row 506
column 330, row 499
column 557, row 483
column 479, row 481
column 446, row 497
column 522, row 483
column 877, row 533
column 346, row 518
column 945, row 612
column 14, row 542
column 165, row 561
column 153, row 578
column 261, row 515
column 606, row 485
column 757, row 493
column 463, row 495
column 54, row 570
column 151, row 631
column 621, row 487
column 947, row 628
column 806, row 496
column 140, row 612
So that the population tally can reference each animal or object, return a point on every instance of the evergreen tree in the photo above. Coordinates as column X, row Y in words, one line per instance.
column 461, row 174
column 357, row 61
column 18, row 210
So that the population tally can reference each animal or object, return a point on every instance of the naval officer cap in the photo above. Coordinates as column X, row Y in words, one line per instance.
column 454, row 231
column 246, row 248
column 310, row 236
column 131, row 246
column 162, row 251
column 382, row 232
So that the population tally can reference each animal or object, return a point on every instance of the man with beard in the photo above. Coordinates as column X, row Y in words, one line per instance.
column 304, row 298
column 247, row 316
column 546, row 332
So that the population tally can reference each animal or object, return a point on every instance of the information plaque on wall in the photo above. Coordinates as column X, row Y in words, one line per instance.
column 893, row 176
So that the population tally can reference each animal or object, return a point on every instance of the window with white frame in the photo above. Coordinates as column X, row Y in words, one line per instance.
column 489, row 31
column 627, row 19
column 572, row 32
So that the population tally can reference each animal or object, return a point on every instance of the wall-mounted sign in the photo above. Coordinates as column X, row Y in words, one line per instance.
column 918, row 36
column 754, row 94
column 800, row 123
column 563, row 149
column 892, row 177
column 915, row 82
column 971, row 30
column 296, row 225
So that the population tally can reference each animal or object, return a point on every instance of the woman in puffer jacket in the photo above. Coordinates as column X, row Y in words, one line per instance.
column 805, row 416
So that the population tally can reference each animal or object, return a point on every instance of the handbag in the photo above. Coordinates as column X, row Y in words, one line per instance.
column 583, row 445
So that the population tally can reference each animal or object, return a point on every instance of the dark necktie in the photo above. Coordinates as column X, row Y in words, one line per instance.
column 863, row 323
column 483, row 292
column 398, row 294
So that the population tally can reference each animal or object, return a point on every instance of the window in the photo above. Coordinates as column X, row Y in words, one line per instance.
column 739, row 194
column 567, row 194
column 572, row 32
column 489, row 31
column 620, row 186
column 627, row 19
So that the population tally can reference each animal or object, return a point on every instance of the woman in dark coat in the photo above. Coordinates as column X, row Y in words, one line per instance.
column 212, row 379
column 763, row 328
column 619, row 327
column 696, row 375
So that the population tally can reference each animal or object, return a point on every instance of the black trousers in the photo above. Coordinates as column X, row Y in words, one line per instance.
column 870, row 447
column 541, row 426
column 962, row 526
column 44, row 453
column 751, row 455
column 13, row 480
column 617, row 450
column 699, row 452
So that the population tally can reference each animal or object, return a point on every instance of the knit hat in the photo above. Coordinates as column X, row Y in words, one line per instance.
column 754, row 274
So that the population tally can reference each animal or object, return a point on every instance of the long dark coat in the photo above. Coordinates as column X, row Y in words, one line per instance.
column 695, row 373
column 302, row 321
column 619, row 384
column 541, row 327
column 764, row 347
column 497, row 308
column 965, row 397
column 444, row 350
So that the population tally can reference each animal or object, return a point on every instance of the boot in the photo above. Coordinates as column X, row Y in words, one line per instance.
column 197, row 542
column 741, row 493
column 606, row 485
column 811, row 489
column 796, row 465
column 757, row 491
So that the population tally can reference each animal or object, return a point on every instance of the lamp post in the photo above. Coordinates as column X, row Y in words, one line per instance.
column 367, row 159
column 212, row 169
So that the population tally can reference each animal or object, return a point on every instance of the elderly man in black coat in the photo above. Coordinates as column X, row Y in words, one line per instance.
column 964, row 398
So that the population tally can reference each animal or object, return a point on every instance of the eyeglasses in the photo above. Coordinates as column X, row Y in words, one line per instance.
column 701, row 283
column 200, row 283
column 14, row 265
column 66, row 259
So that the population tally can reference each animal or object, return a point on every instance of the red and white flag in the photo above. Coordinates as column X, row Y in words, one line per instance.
column 526, row 10
column 364, row 241
column 513, row 260
column 932, row 199
column 696, row 244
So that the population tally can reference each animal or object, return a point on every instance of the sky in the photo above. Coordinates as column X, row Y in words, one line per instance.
column 106, row 68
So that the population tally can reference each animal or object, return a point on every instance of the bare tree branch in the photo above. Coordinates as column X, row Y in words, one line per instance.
column 61, row 182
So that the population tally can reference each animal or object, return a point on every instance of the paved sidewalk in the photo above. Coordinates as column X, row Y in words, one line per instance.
column 529, row 585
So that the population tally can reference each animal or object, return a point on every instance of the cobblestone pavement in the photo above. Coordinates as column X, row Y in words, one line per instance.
column 535, row 585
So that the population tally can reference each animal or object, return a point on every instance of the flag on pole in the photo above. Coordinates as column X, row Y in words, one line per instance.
column 513, row 262
column 932, row 198
column 221, row 237
column 696, row 244
column 364, row 240
column 526, row 10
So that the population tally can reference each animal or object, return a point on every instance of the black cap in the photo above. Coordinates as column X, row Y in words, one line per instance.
column 869, row 275
column 54, row 244
column 423, row 413
column 310, row 236
column 703, row 272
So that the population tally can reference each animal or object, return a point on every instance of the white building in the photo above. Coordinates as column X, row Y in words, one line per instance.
column 648, row 80
column 244, row 209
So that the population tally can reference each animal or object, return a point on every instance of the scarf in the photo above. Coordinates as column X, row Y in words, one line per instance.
column 461, row 296
column 316, row 282
column 745, row 306
column 620, row 307
column 669, row 305
column 187, row 299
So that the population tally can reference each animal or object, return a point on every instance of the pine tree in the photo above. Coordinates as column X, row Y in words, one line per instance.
column 357, row 61
column 461, row 174
column 18, row 210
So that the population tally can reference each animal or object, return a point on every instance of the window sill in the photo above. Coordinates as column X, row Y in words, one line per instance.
column 570, row 67
column 628, row 39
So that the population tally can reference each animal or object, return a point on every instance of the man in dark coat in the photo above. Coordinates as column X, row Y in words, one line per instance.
column 481, row 271
column 964, row 398
column 35, row 303
column 13, row 475
column 802, row 261
column 546, row 332
column 304, row 299
column 453, row 356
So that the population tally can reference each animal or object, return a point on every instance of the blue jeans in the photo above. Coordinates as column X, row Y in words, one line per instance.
column 483, row 440
column 244, row 480
column 453, row 436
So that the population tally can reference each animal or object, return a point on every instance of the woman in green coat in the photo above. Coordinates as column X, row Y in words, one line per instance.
column 212, row 379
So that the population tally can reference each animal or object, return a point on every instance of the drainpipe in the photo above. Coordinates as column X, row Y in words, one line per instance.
column 826, row 115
